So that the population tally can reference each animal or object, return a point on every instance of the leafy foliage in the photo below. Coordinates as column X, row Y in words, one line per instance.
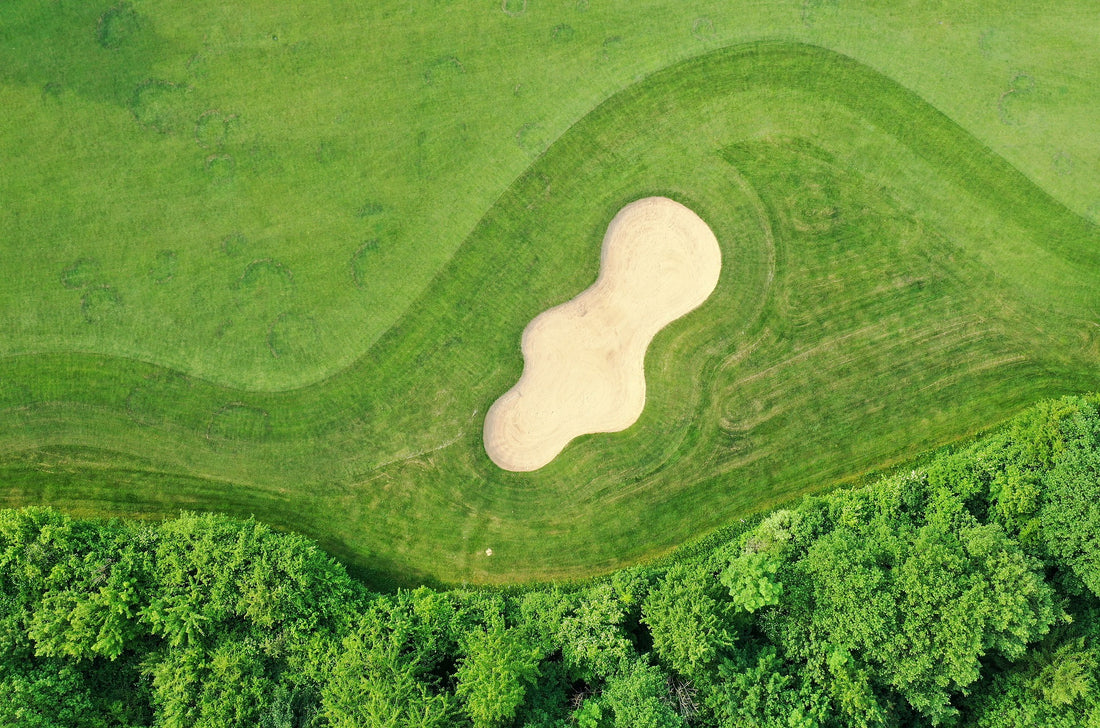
column 1057, row 684
column 495, row 673
column 690, row 626
column 382, row 675
column 750, row 579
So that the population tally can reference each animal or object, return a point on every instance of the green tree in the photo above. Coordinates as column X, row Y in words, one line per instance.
column 374, row 684
column 751, row 581
column 228, row 684
column 907, row 595
column 383, row 670
column 638, row 697
column 493, row 677
column 593, row 636
column 1056, row 685
column 71, row 588
column 1070, row 515
column 46, row 693
column 690, row 621
column 758, row 689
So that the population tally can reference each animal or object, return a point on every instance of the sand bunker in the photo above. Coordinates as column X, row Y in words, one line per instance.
column 583, row 369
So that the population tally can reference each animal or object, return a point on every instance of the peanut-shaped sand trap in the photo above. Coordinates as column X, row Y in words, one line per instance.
column 583, row 360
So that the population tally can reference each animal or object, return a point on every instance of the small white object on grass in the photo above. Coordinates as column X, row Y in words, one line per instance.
column 488, row 552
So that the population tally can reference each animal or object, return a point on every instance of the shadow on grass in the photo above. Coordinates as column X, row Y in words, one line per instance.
column 99, row 52
column 68, row 479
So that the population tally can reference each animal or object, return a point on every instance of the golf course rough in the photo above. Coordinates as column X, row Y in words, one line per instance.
column 584, row 360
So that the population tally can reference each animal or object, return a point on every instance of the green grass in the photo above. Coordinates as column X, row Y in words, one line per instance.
column 305, row 316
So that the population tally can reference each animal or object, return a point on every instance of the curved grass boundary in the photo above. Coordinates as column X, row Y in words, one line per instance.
column 889, row 284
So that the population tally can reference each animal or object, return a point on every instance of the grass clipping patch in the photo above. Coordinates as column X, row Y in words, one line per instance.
column 583, row 361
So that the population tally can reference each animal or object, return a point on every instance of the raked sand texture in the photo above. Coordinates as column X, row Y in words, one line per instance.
column 583, row 369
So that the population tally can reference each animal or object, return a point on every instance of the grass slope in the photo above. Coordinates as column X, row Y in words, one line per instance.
column 889, row 284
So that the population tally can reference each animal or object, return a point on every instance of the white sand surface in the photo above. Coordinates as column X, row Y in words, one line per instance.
column 583, row 361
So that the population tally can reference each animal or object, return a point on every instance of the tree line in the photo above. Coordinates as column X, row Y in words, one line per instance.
column 965, row 592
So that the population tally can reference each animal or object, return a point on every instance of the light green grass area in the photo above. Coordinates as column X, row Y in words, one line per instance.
column 277, row 261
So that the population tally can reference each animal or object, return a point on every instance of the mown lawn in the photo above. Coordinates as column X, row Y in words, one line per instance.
column 305, row 316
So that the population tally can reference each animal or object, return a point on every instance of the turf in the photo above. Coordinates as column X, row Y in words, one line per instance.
column 306, row 317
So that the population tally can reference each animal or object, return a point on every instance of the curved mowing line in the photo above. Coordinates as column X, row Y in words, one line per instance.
column 385, row 457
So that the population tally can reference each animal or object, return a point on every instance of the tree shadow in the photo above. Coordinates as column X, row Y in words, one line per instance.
column 97, row 51
column 376, row 573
